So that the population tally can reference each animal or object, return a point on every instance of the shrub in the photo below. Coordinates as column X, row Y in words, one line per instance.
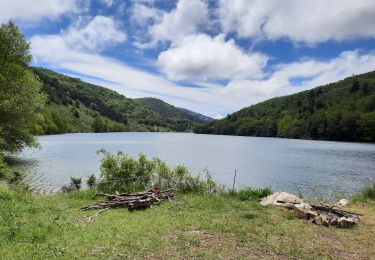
column 5, row 173
column 75, row 185
column 91, row 181
column 120, row 172
column 252, row 194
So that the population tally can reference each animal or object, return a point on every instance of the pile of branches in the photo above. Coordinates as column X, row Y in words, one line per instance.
column 133, row 201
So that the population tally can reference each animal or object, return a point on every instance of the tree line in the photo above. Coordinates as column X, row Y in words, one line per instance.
column 341, row 111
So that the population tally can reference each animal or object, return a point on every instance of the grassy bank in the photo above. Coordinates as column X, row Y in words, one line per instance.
column 189, row 226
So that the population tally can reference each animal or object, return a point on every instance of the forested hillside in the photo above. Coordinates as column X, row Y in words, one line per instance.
column 184, row 118
column 342, row 111
column 77, row 106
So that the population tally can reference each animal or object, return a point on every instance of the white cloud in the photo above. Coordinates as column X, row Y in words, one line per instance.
column 310, row 21
column 185, row 19
column 314, row 73
column 200, row 57
column 142, row 14
column 96, row 35
column 34, row 10
column 108, row 3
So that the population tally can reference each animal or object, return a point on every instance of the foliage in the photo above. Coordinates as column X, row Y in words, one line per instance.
column 19, row 91
column 120, row 172
column 342, row 111
column 85, row 107
column 181, row 119
column 253, row 194
column 91, row 181
column 6, row 173
column 75, row 185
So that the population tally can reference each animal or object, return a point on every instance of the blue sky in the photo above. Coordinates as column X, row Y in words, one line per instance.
column 213, row 57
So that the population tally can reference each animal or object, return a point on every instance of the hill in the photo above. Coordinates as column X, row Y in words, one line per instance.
column 342, row 111
column 185, row 118
column 76, row 106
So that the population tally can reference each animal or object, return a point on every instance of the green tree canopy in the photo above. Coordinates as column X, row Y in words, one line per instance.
column 20, row 94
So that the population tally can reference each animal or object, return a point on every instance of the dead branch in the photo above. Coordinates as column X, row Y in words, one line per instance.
column 133, row 201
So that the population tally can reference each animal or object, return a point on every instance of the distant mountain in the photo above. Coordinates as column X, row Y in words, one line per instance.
column 166, row 110
column 342, row 111
column 76, row 106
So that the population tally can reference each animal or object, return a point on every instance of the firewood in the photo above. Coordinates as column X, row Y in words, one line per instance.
column 133, row 201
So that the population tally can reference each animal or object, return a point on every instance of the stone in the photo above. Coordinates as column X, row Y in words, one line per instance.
column 275, row 198
column 304, row 210
column 318, row 220
column 343, row 203
column 345, row 222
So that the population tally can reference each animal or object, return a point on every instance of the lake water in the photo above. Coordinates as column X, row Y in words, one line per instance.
column 310, row 167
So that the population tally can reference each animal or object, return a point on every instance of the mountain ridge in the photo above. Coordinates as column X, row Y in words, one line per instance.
column 77, row 106
column 340, row 111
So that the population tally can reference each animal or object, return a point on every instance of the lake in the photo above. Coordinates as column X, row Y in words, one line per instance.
column 310, row 167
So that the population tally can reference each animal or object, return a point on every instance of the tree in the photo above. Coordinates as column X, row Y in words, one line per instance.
column 365, row 89
column 99, row 126
column 20, row 95
column 355, row 86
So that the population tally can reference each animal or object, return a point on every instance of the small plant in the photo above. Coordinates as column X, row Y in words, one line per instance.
column 253, row 194
column 75, row 184
column 91, row 181
column 369, row 192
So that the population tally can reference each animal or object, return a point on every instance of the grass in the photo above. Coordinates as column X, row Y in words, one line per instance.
column 253, row 194
column 189, row 226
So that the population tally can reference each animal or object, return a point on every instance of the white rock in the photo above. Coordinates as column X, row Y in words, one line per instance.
column 343, row 202
column 304, row 210
column 280, row 196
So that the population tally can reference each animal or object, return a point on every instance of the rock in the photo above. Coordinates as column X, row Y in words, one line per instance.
column 280, row 198
column 304, row 210
column 345, row 222
column 318, row 220
column 343, row 203
column 333, row 221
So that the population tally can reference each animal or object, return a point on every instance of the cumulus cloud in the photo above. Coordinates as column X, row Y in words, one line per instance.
column 312, row 73
column 200, row 57
column 143, row 14
column 34, row 10
column 310, row 21
column 96, row 35
column 185, row 19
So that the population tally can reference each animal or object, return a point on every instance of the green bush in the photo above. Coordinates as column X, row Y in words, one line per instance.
column 5, row 173
column 91, row 181
column 75, row 185
column 120, row 172
column 253, row 194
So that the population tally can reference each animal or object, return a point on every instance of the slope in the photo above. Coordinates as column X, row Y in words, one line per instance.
column 76, row 106
column 342, row 111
